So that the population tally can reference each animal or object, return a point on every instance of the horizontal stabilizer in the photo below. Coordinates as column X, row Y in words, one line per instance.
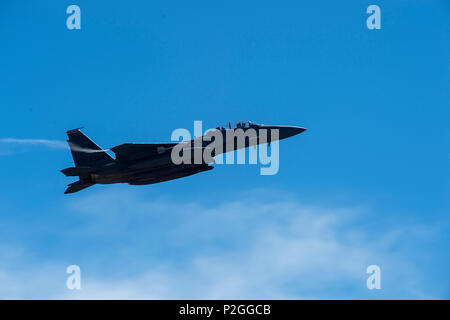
column 77, row 186
column 78, row 171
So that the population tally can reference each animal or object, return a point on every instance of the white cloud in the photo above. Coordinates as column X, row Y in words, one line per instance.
column 248, row 249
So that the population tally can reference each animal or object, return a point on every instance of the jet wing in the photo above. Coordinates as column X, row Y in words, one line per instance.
column 129, row 152
column 169, row 173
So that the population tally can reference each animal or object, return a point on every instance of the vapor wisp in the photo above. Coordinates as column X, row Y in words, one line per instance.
column 51, row 144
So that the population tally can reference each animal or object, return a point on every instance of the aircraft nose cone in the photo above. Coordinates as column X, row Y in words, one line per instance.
column 298, row 130
column 292, row 131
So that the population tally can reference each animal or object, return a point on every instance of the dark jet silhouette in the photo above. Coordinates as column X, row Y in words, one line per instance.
column 148, row 163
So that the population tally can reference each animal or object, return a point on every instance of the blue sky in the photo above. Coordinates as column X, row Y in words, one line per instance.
column 368, row 183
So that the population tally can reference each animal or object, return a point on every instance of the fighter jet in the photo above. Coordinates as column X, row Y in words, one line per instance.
column 149, row 163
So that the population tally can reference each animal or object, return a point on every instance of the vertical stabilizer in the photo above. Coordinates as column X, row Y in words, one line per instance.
column 85, row 152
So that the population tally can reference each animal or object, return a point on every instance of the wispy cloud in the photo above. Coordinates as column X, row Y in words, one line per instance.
column 52, row 144
column 168, row 248
column 56, row 144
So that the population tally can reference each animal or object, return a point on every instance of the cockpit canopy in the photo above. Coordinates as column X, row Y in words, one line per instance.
column 235, row 125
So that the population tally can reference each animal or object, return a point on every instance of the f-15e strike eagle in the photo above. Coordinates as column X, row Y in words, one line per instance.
column 148, row 163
